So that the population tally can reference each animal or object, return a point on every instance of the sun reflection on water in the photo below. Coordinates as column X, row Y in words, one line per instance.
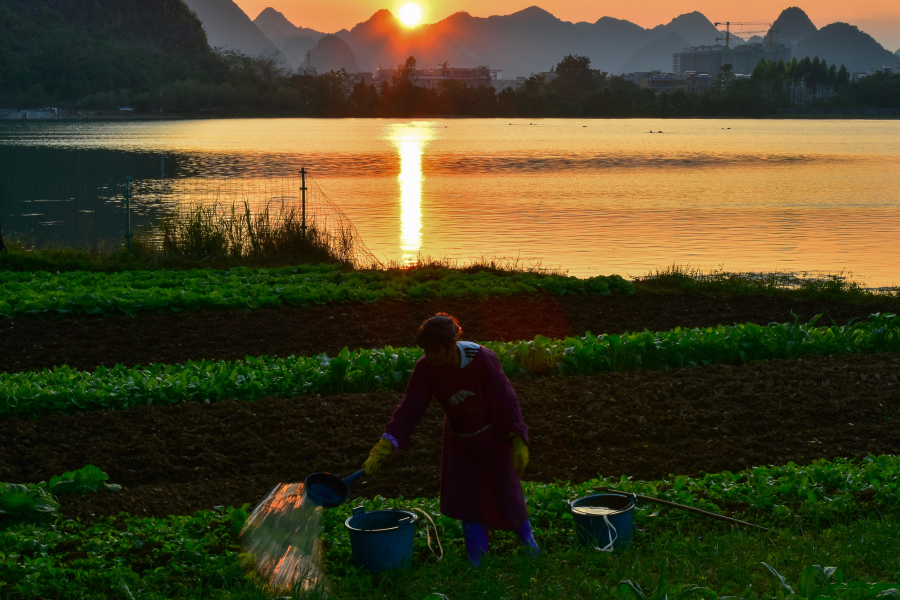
column 410, row 140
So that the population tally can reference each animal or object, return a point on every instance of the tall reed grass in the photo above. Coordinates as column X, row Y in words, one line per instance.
column 231, row 232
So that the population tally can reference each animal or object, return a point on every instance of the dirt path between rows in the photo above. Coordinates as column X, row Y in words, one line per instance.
column 178, row 459
column 88, row 342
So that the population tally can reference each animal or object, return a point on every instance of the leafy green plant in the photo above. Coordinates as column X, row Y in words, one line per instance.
column 817, row 581
column 664, row 590
column 131, row 292
column 62, row 389
column 26, row 503
column 36, row 502
column 86, row 480
column 674, row 555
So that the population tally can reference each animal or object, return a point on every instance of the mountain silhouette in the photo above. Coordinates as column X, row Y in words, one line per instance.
column 656, row 55
column 792, row 26
column 534, row 40
column 694, row 27
column 332, row 53
column 528, row 41
column 228, row 26
column 844, row 44
column 270, row 20
column 295, row 48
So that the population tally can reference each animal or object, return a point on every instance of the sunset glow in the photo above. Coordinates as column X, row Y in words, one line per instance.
column 879, row 18
column 410, row 14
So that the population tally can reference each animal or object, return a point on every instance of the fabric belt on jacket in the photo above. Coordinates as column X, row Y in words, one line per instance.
column 464, row 435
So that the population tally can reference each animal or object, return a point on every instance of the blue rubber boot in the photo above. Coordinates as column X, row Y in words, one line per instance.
column 476, row 538
column 527, row 538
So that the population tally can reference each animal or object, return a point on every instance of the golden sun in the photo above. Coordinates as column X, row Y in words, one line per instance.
column 410, row 14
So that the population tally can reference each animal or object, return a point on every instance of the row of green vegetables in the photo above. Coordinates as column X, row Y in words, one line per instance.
column 834, row 533
column 62, row 389
column 130, row 292
column 37, row 501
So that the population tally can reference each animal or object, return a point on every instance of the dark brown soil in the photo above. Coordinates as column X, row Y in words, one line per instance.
column 648, row 425
column 88, row 342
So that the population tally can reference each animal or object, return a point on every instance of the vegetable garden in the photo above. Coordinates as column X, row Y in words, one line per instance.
column 133, row 480
column 132, row 292
column 841, row 512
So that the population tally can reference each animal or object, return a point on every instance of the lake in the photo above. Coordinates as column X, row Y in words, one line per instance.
column 590, row 196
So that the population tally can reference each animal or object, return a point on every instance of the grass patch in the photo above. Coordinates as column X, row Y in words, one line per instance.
column 805, row 285
column 36, row 294
column 843, row 514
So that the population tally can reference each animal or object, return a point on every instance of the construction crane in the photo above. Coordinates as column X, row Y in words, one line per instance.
column 728, row 25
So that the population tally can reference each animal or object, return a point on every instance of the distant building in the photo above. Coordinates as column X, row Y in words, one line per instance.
column 744, row 58
column 690, row 82
column 432, row 78
column 30, row 113
column 502, row 84
column 700, row 59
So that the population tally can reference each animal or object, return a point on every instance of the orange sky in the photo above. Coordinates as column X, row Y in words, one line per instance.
column 879, row 18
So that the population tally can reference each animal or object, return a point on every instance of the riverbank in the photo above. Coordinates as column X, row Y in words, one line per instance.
column 114, row 115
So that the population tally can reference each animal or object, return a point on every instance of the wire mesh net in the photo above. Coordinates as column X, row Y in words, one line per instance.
column 239, row 216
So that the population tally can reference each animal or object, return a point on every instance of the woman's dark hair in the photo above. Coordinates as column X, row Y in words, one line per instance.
column 440, row 331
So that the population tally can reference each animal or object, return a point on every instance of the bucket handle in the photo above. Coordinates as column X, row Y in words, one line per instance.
column 612, row 539
column 428, row 533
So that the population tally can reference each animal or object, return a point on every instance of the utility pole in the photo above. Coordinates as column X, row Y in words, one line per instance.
column 2, row 245
column 128, row 213
column 303, row 204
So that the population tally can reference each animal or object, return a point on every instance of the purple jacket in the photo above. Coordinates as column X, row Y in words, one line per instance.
column 478, row 483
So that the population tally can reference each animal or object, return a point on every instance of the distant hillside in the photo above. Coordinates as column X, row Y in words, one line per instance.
column 333, row 54
column 528, row 41
column 657, row 55
column 295, row 48
column 792, row 26
column 695, row 28
column 840, row 43
column 60, row 50
column 226, row 25
column 293, row 42
column 274, row 21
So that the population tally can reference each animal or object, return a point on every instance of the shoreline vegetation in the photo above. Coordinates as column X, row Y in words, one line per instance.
column 673, row 278
column 104, row 258
column 261, row 87
column 888, row 114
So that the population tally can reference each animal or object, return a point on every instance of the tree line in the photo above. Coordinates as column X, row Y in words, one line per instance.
column 154, row 56
column 118, row 69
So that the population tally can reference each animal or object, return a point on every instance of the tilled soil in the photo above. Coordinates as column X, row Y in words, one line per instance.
column 178, row 459
column 88, row 342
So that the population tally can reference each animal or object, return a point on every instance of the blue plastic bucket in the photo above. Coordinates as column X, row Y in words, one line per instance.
column 381, row 539
column 599, row 531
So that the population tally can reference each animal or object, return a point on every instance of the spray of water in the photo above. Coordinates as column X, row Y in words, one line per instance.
column 282, row 534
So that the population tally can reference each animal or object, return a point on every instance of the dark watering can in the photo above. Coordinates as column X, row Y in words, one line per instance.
column 329, row 490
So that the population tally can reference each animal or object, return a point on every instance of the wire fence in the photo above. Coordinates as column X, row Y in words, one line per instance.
column 239, row 216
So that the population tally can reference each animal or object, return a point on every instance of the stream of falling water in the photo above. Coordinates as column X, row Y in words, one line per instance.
column 283, row 534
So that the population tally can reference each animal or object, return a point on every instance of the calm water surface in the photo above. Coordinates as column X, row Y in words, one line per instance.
column 591, row 196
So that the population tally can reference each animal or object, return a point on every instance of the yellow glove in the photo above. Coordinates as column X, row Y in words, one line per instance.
column 519, row 454
column 381, row 451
